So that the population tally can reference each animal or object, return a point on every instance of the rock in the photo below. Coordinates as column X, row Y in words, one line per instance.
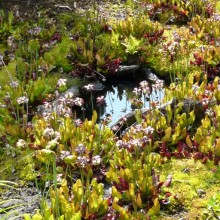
column 148, row 74
column 201, row 193
column 74, row 89
column 98, row 86
column 127, row 71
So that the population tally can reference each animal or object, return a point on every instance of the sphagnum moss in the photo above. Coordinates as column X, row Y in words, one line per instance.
column 192, row 185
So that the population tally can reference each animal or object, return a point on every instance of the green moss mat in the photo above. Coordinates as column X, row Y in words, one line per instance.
column 193, row 184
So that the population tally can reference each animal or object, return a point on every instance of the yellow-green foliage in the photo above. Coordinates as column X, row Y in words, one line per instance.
column 218, row 7
column 189, row 177
column 37, row 90
column 57, row 55
column 4, row 76
column 3, row 47
column 23, row 167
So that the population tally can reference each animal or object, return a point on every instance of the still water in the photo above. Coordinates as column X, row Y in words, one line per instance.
column 117, row 97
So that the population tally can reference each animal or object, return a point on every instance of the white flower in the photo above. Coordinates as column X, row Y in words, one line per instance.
column 80, row 149
column 134, row 142
column 48, row 132
column 61, row 82
column 148, row 130
column 209, row 112
column 115, row 128
column 78, row 101
column 208, row 92
column 137, row 91
column 47, row 116
column 158, row 85
column 89, row 87
column 22, row 100
column 100, row 100
column 145, row 87
column 78, row 122
column 82, row 161
column 68, row 95
column 64, row 154
column 96, row 160
column 205, row 101
column 14, row 84
column 21, row 143
column 2, row 105
column 119, row 143
column 59, row 177
column 61, row 100
column 47, row 105
column 57, row 135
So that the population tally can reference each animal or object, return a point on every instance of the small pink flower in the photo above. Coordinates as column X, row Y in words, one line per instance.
column 100, row 101
column 137, row 91
column 78, row 101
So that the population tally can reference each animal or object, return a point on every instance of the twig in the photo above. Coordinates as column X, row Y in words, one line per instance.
column 64, row 7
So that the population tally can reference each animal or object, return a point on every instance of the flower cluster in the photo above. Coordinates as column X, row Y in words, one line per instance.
column 89, row 87
column 61, row 82
column 14, row 84
column 133, row 143
column 100, row 101
column 145, row 87
column 80, row 149
column 82, row 161
column 21, row 143
column 159, row 85
column 22, row 100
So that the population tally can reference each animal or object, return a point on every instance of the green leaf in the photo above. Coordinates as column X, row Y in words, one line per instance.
column 155, row 209
column 27, row 217
column 115, row 193
column 132, row 44
column 176, row 135
column 77, row 216
column 138, row 116
column 206, row 123
column 169, row 114
column 94, row 117
column 191, row 118
column 167, row 134
column 37, row 216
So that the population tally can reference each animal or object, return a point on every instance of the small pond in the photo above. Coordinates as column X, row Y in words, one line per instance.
column 117, row 96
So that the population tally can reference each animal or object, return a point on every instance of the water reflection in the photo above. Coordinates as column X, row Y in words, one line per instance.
column 117, row 97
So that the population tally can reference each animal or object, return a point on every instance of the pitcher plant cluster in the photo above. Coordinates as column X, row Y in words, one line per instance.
column 86, row 169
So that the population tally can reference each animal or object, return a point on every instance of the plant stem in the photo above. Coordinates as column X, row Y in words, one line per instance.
column 92, row 102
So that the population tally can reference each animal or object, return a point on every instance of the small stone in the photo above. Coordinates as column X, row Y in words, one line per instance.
column 186, row 170
column 201, row 192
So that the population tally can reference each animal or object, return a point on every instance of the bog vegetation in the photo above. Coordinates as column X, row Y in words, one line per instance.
column 164, row 165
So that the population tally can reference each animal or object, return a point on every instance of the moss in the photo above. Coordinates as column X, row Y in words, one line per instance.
column 20, row 167
column 27, row 173
column 4, row 76
column 57, row 56
column 3, row 47
column 191, row 184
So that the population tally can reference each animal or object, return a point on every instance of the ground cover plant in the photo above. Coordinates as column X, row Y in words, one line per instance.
column 165, row 165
